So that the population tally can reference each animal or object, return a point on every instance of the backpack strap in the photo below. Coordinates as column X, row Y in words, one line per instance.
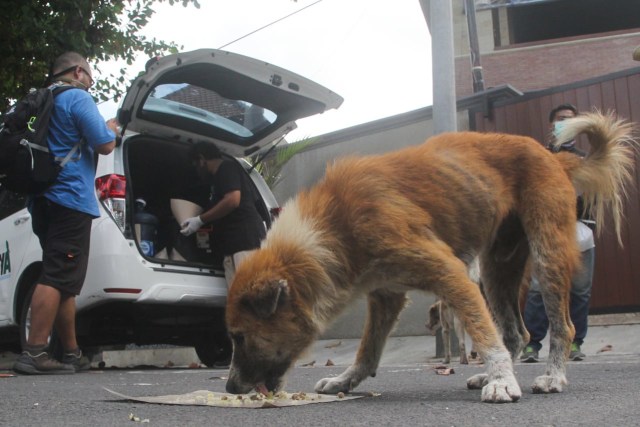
column 57, row 89
column 64, row 160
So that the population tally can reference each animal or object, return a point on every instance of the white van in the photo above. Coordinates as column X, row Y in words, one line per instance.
column 146, row 283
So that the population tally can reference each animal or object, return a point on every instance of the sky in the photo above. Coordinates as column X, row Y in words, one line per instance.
column 376, row 54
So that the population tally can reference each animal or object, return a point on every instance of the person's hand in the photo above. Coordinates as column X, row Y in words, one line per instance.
column 114, row 126
column 191, row 225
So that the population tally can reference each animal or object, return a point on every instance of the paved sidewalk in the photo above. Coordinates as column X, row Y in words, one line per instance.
column 609, row 335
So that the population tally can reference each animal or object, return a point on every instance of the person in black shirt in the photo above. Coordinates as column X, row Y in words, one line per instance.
column 238, row 227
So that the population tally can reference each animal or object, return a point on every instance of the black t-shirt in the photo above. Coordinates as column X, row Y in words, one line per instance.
column 242, row 229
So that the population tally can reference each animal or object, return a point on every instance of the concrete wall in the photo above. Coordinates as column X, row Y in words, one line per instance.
column 380, row 136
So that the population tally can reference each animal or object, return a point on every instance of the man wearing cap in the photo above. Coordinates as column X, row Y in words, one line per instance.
column 61, row 218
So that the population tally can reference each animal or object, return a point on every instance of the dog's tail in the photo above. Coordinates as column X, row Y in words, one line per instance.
column 601, row 178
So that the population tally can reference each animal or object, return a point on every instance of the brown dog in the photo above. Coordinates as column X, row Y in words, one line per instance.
column 414, row 219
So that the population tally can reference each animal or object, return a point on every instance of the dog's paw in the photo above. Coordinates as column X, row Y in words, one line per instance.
column 549, row 384
column 333, row 385
column 477, row 381
column 501, row 391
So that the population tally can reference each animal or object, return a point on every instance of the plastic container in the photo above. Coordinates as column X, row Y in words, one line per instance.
column 146, row 228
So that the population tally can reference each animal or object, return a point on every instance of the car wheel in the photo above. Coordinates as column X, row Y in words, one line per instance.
column 55, row 345
column 214, row 351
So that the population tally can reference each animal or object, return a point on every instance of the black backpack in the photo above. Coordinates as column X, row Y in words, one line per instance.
column 26, row 165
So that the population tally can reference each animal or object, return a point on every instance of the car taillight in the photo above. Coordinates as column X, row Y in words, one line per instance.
column 111, row 192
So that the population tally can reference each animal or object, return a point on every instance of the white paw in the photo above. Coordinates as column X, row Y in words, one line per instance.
column 501, row 391
column 549, row 384
column 477, row 381
column 333, row 385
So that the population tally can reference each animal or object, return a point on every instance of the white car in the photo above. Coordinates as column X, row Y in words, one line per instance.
column 146, row 283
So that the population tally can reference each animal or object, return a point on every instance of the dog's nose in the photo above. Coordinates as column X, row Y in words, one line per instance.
column 236, row 387
column 232, row 387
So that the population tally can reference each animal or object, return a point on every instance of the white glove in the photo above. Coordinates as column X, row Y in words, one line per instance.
column 191, row 225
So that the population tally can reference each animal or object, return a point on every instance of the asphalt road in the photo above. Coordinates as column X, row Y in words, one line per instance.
column 603, row 390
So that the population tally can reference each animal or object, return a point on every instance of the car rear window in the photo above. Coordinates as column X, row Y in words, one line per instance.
column 183, row 104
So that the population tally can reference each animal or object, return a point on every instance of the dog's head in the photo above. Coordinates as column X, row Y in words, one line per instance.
column 434, row 319
column 269, row 324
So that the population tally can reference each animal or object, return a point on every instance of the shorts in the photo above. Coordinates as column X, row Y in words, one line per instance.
column 65, row 236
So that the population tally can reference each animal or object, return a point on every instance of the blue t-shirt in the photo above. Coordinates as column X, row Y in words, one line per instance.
column 75, row 117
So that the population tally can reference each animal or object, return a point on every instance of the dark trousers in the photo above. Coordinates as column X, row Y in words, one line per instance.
column 535, row 316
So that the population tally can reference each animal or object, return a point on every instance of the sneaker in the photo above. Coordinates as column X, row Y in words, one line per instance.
column 40, row 364
column 77, row 360
column 576, row 354
column 529, row 355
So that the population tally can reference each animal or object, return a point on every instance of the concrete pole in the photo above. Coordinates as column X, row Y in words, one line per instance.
column 439, row 17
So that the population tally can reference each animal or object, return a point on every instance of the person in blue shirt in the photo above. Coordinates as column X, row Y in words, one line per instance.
column 61, row 218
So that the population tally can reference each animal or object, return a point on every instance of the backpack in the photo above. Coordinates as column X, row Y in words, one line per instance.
column 26, row 164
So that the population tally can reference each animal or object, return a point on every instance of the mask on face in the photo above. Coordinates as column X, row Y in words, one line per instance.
column 557, row 128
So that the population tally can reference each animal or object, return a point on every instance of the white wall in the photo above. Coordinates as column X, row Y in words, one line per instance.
column 308, row 166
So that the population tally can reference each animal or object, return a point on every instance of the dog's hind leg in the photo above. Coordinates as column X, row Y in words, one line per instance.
column 555, row 256
column 384, row 309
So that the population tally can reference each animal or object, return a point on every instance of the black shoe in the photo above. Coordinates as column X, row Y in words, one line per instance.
column 77, row 360
column 40, row 364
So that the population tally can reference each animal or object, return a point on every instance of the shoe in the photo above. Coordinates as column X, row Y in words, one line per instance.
column 529, row 355
column 77, row 360
column 576, row 355
column 40, row 364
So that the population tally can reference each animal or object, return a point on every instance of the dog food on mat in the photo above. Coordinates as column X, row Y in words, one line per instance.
column 252, row 400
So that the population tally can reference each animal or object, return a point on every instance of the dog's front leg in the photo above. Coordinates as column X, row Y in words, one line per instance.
column 384, row 308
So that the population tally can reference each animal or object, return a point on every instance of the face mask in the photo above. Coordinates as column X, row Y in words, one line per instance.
column 557, row 128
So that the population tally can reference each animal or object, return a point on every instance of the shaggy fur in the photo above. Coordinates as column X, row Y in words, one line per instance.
column 415, row 219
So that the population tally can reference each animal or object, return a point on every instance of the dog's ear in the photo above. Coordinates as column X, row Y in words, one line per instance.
column 265, row 300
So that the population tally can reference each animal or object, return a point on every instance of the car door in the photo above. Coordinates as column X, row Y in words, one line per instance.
column 15, row 235
column 241, row 104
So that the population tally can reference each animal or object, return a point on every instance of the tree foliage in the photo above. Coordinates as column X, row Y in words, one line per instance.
column 34, row 32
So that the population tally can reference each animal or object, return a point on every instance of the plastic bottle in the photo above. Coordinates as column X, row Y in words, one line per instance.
column 146, row 226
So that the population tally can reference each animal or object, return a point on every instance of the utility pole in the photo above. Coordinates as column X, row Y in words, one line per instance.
column 439, row 17
column 474, row 46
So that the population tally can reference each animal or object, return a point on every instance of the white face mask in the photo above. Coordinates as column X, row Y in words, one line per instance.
column 558, row 127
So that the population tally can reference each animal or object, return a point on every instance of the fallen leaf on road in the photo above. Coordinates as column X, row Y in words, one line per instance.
column 607, row 347
column 444, row 370
column 333, row 344
column 329, row 363
column 313, row 362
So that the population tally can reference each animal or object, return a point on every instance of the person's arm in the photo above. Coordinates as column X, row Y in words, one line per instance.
column 108, row 147
column 224, row 207
column 99, row 135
